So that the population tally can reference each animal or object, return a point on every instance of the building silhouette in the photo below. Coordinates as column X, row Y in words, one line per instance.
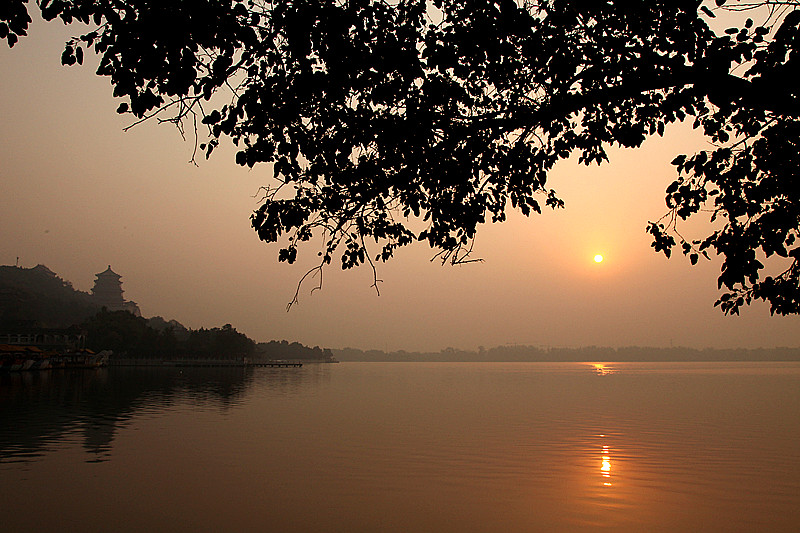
column 107, row 292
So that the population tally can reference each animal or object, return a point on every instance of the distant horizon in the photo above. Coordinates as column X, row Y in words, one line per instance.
column 576, row 347
column 585, row 354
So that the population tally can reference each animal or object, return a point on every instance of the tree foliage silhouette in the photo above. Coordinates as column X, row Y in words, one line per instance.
column 393, row 122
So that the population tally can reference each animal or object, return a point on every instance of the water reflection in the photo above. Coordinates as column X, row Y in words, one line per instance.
column 45, row 411
column 405, row 448
column 605, row 466
column 603, row 369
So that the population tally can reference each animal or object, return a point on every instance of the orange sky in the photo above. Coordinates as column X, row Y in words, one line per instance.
column 78, row 194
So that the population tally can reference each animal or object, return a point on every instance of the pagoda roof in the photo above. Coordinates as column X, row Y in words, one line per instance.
column 108, row 272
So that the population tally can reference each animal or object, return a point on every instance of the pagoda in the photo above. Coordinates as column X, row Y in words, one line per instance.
column 107, row 292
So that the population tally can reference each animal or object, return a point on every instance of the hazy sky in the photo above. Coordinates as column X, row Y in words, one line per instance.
column 77, row 194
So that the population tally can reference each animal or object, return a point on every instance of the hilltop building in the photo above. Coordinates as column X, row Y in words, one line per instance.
column 107, row 292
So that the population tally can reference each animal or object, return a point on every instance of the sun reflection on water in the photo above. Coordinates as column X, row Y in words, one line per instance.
column 603, row 369
column 605, row 466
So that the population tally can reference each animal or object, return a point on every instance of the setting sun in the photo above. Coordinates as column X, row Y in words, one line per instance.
column 598, row 258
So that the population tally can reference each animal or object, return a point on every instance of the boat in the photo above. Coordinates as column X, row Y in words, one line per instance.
column 18, row 358
column 86, row 359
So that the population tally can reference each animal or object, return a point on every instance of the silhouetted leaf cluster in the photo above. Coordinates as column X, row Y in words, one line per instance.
column 14, row 20
column 387, row 123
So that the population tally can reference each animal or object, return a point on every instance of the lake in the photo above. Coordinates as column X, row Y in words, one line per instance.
column 403, row 447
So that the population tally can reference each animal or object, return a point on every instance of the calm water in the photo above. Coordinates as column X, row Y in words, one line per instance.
column 404, row 447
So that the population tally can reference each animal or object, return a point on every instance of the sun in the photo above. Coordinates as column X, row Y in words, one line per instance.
column 598, row 258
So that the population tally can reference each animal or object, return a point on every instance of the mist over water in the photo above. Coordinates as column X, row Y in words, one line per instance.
column 405, row 447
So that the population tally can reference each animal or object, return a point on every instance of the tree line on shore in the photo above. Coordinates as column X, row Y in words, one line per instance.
column 137, row 337
column 522, row 353
column 156, row 338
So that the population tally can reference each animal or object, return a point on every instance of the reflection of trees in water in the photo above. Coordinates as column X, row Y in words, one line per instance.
column 219, row 386
column 40, row 410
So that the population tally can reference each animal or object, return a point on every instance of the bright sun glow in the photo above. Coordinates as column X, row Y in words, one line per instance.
column 598, row 258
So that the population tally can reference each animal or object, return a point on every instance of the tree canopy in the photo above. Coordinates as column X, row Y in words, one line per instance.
column 390, row 122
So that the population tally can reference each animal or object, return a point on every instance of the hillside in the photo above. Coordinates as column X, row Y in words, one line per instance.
column 37, row 297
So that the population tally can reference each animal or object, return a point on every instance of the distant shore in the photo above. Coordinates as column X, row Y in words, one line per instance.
column 519, row 353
